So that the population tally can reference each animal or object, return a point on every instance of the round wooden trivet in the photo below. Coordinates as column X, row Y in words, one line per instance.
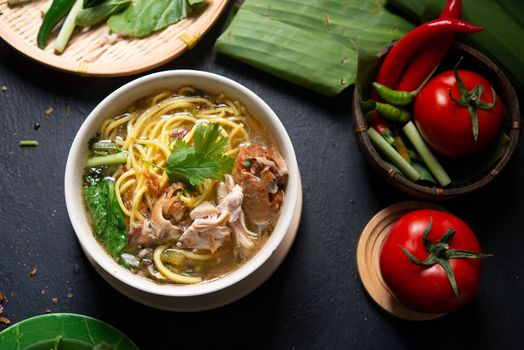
column 368, row 253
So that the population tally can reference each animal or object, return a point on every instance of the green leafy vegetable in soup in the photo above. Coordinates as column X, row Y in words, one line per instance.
column 108, row 219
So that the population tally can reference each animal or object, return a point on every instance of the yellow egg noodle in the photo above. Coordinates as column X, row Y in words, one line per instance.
column 145, row 133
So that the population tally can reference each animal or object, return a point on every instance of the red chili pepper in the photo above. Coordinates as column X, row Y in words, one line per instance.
column 428, row 58
column 452, row 9
column 383, row 127
column 399, row 56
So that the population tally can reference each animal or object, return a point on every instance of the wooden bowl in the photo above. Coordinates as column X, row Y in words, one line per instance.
column 368, row 259
column 479, row 63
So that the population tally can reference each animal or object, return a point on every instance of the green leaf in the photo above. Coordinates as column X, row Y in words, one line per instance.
column 424, row 172
column 310, row 43
column 144, row 17
column 290, row 53
column 115, row 234
column 195, row 169
column 193, row 164
column 366, row 23
column 467, row 169
column 94, row 15
column 421, row 169
column 91, row 3
column 96, row 198
column 208, row 140
column 107, row 218
column 180, row 152
column 72, row 331
column 368, row 63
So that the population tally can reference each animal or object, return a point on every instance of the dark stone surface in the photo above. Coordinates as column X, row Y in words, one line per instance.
column 314, row 300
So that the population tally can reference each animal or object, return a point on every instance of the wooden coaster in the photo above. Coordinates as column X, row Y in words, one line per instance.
column 368, row 253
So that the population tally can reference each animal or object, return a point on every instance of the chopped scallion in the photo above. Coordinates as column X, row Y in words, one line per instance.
column 425, row 153
column 392, row 155
column 110, row 159
column 28, row 143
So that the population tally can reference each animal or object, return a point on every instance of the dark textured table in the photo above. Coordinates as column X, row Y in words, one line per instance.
column 314, row 300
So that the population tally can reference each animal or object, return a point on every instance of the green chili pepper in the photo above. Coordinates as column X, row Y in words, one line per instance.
column 368, row 106
column 57, row 11
column 397, row 98
column 393, row 113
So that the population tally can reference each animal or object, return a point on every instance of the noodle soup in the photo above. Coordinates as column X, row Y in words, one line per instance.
column 183, row 187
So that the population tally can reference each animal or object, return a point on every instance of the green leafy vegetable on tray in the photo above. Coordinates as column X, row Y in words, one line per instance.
column 144, row 17
column 311, row 43
column 91, row 16
column 138, row 18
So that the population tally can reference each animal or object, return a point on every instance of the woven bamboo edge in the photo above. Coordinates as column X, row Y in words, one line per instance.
column 150, row 52
column 368, row 255
column 436, row 193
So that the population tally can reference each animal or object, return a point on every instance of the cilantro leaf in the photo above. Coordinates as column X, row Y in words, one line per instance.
column 208, row 140
column 205, row 159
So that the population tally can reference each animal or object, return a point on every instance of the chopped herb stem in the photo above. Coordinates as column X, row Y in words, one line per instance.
column 392, row 155
column 425, row 153
column 110, row 159
column 28, row 143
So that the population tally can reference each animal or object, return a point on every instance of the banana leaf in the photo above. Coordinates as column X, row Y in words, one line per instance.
column 310, row 43
column 503, row 36
column 288, row 52
column 365, row 23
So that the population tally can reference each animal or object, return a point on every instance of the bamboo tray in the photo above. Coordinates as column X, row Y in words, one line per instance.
column 89, row 53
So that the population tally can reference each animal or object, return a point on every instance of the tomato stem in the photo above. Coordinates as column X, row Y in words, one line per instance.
column 439, row 253
column 471, row 99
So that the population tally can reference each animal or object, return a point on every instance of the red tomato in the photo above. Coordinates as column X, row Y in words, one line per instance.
column 428, row 289
column 446, row 125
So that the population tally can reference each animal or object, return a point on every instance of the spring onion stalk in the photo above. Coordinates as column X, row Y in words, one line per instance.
column 28, row 143
column 105, row 146
column 392, row 155
column 130, row 260
column 110, row 159
column 425, row 153
column 175, row 277
column 67, row 28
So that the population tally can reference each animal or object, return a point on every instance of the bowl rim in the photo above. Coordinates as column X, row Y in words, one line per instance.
column 75, row 205
column 437, row 192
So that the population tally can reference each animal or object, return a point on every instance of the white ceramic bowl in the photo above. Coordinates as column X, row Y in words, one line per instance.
column 205, row 295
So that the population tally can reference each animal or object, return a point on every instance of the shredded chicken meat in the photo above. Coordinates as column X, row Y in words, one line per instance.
column 213, row 225
column 261, row 172
column 163, row 225
column 252, row 193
